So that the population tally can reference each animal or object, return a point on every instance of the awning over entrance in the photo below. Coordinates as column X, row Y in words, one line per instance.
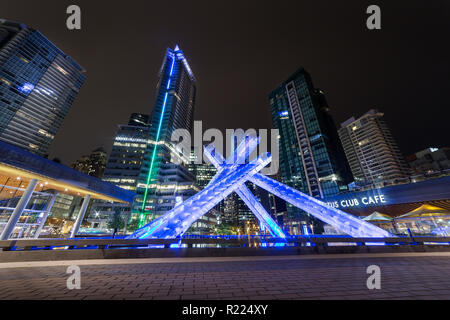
column 377, row 216
column 426, row 210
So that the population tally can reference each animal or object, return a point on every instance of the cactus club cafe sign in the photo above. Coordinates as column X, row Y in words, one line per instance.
column 359, row 201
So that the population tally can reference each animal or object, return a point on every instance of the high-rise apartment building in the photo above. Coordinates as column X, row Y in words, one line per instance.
column 311, row 156
column 164, row 179
column 93, row 164
column 430, row 160
column 38, row 84
column 371, row 150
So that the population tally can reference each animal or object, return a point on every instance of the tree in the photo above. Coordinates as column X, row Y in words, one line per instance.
column 133, row 225
column 116, row 221
column 224, row 229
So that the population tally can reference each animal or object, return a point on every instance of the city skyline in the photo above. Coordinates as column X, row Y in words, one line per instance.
column 376, row 64
column 243, row 151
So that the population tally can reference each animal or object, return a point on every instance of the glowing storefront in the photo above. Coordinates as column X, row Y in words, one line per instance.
column 422, row 207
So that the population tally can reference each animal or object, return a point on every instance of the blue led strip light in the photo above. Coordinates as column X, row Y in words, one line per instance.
column 157, row 138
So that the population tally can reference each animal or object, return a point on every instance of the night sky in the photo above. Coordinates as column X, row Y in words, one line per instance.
column 241, row 50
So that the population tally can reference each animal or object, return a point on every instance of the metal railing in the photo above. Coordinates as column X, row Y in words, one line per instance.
column 108, row 243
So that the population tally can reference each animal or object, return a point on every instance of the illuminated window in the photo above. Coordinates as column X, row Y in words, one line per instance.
column 23, row 59
column 363, row 142
column 45, row 133
column 64, row 72
column 5, row 81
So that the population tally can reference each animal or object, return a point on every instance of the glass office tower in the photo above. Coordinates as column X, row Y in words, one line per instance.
column 203, row 172
column 164, row 179
column 38, row 84
column 311, row 156
column 125, row 161
column 123, row 167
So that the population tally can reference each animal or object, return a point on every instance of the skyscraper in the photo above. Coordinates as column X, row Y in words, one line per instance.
column 371, row 150
column 139, row 120
column 203, row 172
column 93, row 164
column 123, row 166
column 125, row 161
column 38, row 84
column 311, row 155
column 164, row 180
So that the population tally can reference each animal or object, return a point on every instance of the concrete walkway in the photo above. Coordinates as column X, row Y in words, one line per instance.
column 403, row 276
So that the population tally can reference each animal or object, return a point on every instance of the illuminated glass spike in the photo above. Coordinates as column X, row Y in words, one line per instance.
column 239, row 156
column 340, row 220
column 231, row 177
column 178, row 220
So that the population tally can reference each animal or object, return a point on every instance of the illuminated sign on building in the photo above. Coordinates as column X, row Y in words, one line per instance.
column 429, row 190
column 359, row 201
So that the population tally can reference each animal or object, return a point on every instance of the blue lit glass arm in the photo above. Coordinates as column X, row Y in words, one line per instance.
column 178, row 220
column 334, row 217
column 244, row 193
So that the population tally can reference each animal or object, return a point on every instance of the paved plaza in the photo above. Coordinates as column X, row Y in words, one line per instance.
column 403, row 276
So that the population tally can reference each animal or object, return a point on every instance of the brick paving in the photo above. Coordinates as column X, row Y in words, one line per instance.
column 402, row 277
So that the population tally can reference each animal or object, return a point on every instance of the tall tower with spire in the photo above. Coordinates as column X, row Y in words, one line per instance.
column 163, row 182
